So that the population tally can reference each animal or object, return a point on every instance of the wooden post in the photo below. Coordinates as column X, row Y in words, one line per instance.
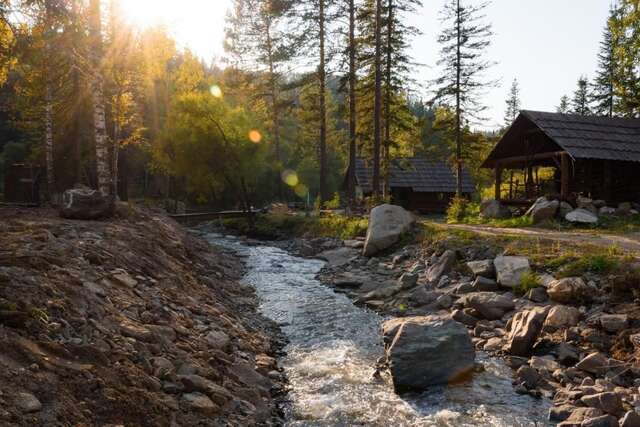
column 498, row 182
column 564, row 176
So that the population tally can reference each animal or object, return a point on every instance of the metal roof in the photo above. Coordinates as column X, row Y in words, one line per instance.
column 419, row 174
column 591, row 137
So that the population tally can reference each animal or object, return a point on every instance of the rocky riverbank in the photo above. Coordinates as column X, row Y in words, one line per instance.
column 574, row 340
column 131, row 322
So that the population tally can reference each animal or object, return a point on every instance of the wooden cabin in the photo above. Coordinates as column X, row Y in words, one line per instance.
column 416, row 183
column 597, row 157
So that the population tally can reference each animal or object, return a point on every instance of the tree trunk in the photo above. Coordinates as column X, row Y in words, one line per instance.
column 116, row 146
column 48, row 113
column 352, row 104
column 387, row 102
column 97, row 91
column 377, row 104
column 275, row 112
column 322, row 75
column 458, row 107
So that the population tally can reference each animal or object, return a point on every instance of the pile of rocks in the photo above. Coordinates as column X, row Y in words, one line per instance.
column 128, row 322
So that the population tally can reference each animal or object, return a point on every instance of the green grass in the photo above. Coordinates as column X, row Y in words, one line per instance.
column 528, row 281
column 599, row 263
column 273, row 227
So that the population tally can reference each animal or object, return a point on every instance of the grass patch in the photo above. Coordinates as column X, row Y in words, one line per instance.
column 599, row 263
column 274, row 227
column 462, row 211
column 528, row 281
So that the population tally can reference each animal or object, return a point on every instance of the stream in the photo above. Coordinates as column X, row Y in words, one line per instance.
column 333, row 350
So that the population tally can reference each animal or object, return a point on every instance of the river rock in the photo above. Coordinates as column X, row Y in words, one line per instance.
column 509, row 269
column 568, row 355
column 606, row 211
column 86, row 204
column 537, row 294
column 601, row 421
column 608, row 402
column 442, row 266
column 27, row 403
column 630, row 419
column 594, row 363
column 493, row 209
column 490, row 305
column 614, row 323
column 569, row 290
column 562, row 316
column 582, row 216
column 200, row 403
column 386, row 225
column 421, row 296
column 217, row 339
column 579, row 415
column 482, row 268
column 561, row 413
column 483, row 284
column 338, row 257
column 408, row 280
column 525, row 330
column 528, row 376
column 464, row 318
column 564, row 209
column 426, row 351
column 543, row 209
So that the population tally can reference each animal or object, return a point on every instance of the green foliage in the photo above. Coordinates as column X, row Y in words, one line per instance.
column 459, row 209
column 528, row 281
column 598, row 263
column 334, row 203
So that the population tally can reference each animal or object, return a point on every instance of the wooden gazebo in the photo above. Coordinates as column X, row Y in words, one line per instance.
column 598, row 157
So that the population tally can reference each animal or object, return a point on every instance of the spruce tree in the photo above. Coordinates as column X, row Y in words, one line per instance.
column 564, row 107
column 603, row 91
column 581, row 101
column 514, row 104
column 464, row 41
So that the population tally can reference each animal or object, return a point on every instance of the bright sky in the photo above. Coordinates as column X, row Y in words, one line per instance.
column 545, row 44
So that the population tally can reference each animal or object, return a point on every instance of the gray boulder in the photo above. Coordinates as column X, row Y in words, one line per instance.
column 482, row 268
column 509, row 269
column 489, row 305
column 427, row 351
column 86, row 204
column 482, row 284
column 569, row 290
column 442, row 266
column 562, row 316
column 338, row 257
column 582, row 216
column 543, row 209
column 564, row 209
column 525, row 330
column 386, row 225
column 493, row 209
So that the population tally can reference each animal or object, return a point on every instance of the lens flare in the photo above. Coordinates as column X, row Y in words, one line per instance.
column 255, row 137
column 290, row 178
column 301, row 191
column 216, row 91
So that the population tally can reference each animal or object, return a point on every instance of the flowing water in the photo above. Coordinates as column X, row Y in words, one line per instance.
column 334, row 347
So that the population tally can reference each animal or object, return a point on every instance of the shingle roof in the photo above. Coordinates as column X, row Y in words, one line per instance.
column 419, row 174
column 590, row 137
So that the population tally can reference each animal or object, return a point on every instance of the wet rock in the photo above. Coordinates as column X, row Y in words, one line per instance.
column 562, row 316
column 569, row 290
column 386, row 225
column 630, row 419
column 560, row 413
column 442, row 266
column 27, row 403
column 543, row 209
column 545, row 363
column 608, row 402
column 493, row 344
column 483, row 284
column 601, row 421
column 493, row 209
column 338, row 257
column 408, row 280
column 594, row 363
column 538, row 295
column 509, row 269
column 614, row 322
column 200, row 403
column 86, row 204
column 525, row 330
column 582, row 216
column 490, row 305
column 425, row 351
column 528, row 376
column 483, row 268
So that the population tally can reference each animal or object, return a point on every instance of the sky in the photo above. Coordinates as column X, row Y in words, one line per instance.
column 545, row 44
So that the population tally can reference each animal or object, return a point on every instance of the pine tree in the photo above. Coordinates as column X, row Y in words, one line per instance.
column 514, row 104
column 603, row 91
column 625, row 28
column 464, row 42
column 564, row 107
column 580, row 103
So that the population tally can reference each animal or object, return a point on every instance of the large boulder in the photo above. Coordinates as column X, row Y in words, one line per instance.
column 493, row 209
column 562, row 316
column 582, row 216
column 525, row 330
column 483, row 268
column 442, row 266
column 489, row 305
column 569, row 290
column 509, row 269
column 86, row 204
column 426, row 351
column 386, row 225
column 543, row 209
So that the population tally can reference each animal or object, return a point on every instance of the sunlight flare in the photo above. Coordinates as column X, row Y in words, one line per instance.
column 255, row 137
column 290, row 178
column 216, row 91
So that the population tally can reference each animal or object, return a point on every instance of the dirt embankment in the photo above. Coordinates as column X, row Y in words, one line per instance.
column 127, row 322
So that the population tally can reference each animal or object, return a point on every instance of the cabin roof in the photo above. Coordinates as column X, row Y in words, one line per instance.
column 582, row 137
column 418, row 174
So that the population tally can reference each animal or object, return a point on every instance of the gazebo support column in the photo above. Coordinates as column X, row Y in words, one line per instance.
column 498, row 189
column 564, row 176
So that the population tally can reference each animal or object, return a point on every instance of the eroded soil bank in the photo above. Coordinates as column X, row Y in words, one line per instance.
column 128, row 322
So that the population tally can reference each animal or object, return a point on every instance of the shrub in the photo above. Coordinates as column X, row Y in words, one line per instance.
column 334, row 203
column 528, row 281
column 458, row 210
